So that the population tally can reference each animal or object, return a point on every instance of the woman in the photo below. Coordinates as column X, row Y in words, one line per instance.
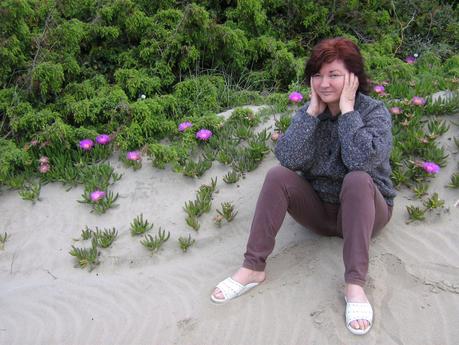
column 340, row 144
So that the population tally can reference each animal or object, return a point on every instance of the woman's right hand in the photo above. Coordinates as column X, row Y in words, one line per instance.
column 316, row 106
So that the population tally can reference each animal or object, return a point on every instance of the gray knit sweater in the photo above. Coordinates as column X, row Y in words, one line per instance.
column 325, row 149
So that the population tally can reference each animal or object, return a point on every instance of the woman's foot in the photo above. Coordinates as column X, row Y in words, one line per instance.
column 243, row 276
column 354, row 294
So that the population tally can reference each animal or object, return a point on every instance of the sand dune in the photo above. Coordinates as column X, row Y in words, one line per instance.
column 133, row 297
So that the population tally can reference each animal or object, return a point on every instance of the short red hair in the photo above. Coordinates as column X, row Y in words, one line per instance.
column 338, row 48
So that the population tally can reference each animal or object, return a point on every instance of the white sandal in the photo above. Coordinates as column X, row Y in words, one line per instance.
column 358, row 311
column 231, row 289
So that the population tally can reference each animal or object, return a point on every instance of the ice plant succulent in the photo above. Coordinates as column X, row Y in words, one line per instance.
column 416, row 100
column 133, row 156
column 379, row 88
column 295, row 97
column 203, row 134
column 430, row 167
column 103, row 139
column 97, row 195
column 184, row 125
column 396, row 110
column 86, row 144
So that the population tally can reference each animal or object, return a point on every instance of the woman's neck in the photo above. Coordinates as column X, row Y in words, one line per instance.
column 333, row 108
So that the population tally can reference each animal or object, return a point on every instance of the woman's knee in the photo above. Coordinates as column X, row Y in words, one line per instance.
column 278, row 173
column 357, row 182
column 357, row 178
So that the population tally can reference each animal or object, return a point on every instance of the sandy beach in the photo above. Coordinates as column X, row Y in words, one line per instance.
column 134, row 297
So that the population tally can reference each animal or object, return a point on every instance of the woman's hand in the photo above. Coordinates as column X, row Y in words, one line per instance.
column 316, row 106
column 347, row 99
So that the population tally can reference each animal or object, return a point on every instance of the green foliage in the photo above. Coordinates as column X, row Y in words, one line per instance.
column 185, row 243
column 86, row 257
column 161, row 154
column 140, row 226
column 13, row 160
column 198, row 95
column 153, row 244
column 137, row 82
column 30, row 191
column 104, row 238
column 227, row 211
column 4, row 238
column 48, row 79
column 249, row 16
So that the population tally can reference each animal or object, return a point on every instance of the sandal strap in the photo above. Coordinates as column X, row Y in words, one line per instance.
column 230, row 288
column 359, row 311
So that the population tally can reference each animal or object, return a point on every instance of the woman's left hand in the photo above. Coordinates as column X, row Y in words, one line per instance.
column 347, row 99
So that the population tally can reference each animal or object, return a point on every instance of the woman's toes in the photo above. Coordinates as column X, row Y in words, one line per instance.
column 218, row 294
column 361, row 324
column 355, row 325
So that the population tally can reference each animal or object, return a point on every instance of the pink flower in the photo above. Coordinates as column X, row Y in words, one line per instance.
column 43, row 168
column 410, row 59
column 86, row 144
column 184, row 125
column 295, row 97
column 430, row 167
column 133, row 156
column 203, row 134
column 43, row 160
column 379, row 88
column 103, row 139
column 416, row 100
column 396, row 110
column 97, row 195
column 34, row 143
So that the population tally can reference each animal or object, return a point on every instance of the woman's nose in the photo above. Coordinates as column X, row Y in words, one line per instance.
column 324, row 82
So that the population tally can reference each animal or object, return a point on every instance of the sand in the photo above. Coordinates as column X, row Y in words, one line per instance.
column 134, row 297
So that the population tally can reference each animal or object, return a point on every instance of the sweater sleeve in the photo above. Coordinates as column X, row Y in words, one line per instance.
column 365, row 145
column 295, row 149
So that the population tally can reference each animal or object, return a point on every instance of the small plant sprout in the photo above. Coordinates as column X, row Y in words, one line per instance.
column 434, row 202
column 192, row 222
column 454, row 181
column 231, row 177
column 154, row 243
column 185, row 243
column 420, row 190
column 3, row 239
column 104, row 238
column 281, row 124
column 227, row 211
column 437, row 128
column 86, row 257
column 140, row 226
column 86, row 233
column 415, row 213
column 30, row 192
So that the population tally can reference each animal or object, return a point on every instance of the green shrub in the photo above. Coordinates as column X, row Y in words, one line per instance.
column 137, row 82
column 13, row 160
column 198, row 95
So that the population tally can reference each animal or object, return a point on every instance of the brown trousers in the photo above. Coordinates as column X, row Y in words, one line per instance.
column 362, row 212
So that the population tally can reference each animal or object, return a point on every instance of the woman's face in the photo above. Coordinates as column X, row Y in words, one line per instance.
column 329, row 81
